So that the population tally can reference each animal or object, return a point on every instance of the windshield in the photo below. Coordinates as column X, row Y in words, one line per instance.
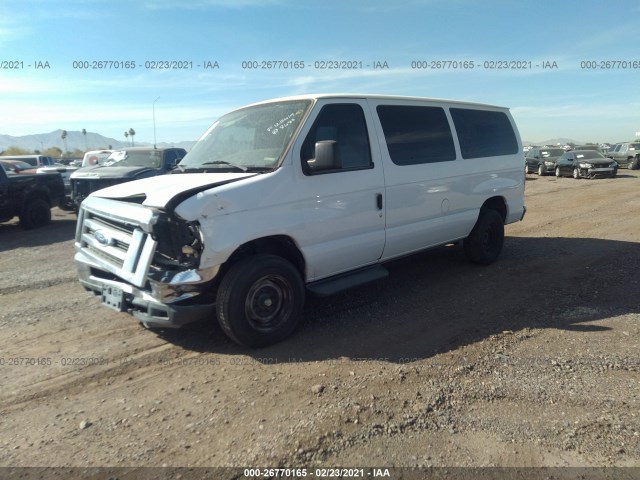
column 253, row 137
column 95, row 158
column 551, row 152
column 134, row 158
column 586, row 154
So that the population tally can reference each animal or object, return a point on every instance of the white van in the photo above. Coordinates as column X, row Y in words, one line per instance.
column 310, row 193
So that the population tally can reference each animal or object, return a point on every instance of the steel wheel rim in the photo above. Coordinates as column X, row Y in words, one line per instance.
column 268, row 303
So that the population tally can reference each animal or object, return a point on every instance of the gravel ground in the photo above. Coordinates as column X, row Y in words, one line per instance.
column 532, row 361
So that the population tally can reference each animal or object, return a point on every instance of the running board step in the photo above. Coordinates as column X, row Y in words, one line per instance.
column 324, row 288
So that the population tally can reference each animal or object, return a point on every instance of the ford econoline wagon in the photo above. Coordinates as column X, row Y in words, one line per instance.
column 295, row 195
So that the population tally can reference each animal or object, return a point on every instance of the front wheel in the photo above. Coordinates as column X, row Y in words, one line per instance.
column 259, row 301
column 557, row 172
column 576, row 173
column 634, row 164
column 484, row 243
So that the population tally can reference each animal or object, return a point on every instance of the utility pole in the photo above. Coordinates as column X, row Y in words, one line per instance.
column 154, row 122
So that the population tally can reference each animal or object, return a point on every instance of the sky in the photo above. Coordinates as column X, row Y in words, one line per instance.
column 577, row 62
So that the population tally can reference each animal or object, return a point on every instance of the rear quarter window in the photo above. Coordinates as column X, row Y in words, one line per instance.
column 416, row 135
column 484, row 133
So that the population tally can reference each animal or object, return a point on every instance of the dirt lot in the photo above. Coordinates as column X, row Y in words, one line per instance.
column 531, row 361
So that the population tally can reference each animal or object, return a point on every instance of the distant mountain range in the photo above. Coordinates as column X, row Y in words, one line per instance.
column 75, row 140
column 553, row 141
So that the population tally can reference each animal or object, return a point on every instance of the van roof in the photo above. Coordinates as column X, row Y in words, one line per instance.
column 319, row 96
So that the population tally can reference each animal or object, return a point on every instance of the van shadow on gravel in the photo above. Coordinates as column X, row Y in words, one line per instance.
column 437, row 301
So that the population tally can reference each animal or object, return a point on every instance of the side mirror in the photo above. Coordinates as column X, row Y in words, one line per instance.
column 171, row 164
column 326, row 157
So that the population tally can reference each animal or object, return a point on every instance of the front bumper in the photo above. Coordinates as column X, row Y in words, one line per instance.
column 115, row 248
column 142, row 305
column 597, row 172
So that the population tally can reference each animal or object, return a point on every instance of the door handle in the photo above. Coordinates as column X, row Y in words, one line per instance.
column 379, row 201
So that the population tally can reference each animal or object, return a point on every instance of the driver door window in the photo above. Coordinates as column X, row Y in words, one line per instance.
column 343, row 125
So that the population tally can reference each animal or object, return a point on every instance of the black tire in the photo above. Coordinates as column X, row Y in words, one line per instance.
column 633, row 164
column 576, row 173
column 558, row 174
column 259, row 301
column 526, row 169
column 35, row 214
column 484, row 243
column 541, row 171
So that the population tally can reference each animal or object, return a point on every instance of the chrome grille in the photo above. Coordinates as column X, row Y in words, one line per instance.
column 118, row 237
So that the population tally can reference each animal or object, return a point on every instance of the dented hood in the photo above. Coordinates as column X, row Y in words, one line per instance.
column 167, row 191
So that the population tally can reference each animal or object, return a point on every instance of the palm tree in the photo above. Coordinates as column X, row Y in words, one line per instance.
column 126, row 134
column 63, row 135
column 132, row 133
column 84, row 132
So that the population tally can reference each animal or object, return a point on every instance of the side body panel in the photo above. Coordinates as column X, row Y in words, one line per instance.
column 429, row 204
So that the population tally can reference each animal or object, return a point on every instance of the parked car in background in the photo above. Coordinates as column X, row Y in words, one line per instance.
column 542, row 160
column 33, row 160
column 17, row 166
column 32, row 164
column 121, row 166
column 626, row 154
column 29, row 197
column 585, row 164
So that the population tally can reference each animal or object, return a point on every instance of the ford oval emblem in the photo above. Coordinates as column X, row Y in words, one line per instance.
column 102, row 238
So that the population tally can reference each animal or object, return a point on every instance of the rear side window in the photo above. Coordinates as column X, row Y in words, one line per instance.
column 416, row 135
column 484, row 133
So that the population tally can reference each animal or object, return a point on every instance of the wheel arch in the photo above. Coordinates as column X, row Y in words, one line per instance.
column 280, row 245
column 497, row 203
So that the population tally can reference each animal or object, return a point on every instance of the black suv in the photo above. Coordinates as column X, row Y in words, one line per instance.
column 124, row 165
column 542, row 160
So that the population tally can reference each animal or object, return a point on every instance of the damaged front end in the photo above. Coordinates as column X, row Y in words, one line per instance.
column 143, row 261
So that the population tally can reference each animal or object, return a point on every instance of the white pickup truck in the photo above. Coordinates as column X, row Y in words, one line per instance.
column 301, row 194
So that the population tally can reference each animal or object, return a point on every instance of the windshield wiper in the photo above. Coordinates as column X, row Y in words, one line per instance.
column 222, row 162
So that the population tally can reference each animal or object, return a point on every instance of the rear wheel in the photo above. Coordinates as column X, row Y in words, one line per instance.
column 541, row 170
column 633, row 164
column 484, row 243
column 36, row 213
column 259, row 301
